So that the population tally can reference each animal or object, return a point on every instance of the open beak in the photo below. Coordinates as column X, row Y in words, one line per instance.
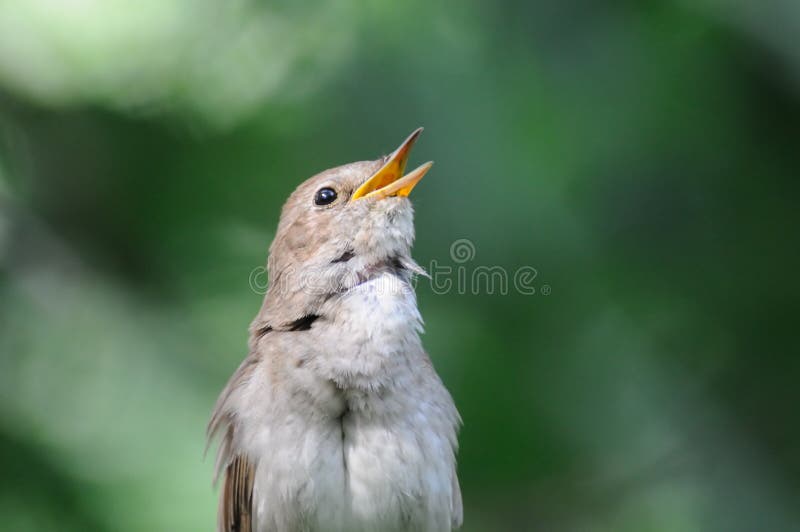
column 389, row 180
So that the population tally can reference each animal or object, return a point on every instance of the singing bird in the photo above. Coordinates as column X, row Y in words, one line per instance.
column 336, row 420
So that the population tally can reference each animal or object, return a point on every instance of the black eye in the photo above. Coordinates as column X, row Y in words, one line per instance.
column 325, row 196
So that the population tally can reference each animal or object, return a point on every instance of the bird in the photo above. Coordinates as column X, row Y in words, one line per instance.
column 336, row 420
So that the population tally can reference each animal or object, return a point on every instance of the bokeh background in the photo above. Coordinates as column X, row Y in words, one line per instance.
column 641, row 156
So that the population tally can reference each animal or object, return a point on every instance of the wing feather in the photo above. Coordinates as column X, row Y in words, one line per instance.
column 235, row 512
column 236, row 499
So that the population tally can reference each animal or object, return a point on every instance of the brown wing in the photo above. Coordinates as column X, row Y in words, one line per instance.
column 236, row 499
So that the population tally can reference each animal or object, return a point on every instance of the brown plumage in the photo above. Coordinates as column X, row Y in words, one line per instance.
column 235, row 511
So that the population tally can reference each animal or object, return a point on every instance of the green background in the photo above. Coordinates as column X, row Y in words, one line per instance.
column 641, row 156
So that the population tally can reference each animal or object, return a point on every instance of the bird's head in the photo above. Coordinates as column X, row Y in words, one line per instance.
column 339, row 228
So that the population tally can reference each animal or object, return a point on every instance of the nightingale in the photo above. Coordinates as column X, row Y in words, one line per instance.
column 336, row 420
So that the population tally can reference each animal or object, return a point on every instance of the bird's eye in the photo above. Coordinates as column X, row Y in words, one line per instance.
column 325, row 196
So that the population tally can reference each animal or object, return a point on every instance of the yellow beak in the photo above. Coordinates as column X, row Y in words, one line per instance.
column 389, row 180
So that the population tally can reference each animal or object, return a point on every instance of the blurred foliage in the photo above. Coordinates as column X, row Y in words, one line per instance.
column 643, row 157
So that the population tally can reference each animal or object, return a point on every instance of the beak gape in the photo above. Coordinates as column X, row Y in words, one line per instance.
column 389, row 180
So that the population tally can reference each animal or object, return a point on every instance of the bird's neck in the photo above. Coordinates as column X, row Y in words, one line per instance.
column 372, row 332
column 297, row 294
